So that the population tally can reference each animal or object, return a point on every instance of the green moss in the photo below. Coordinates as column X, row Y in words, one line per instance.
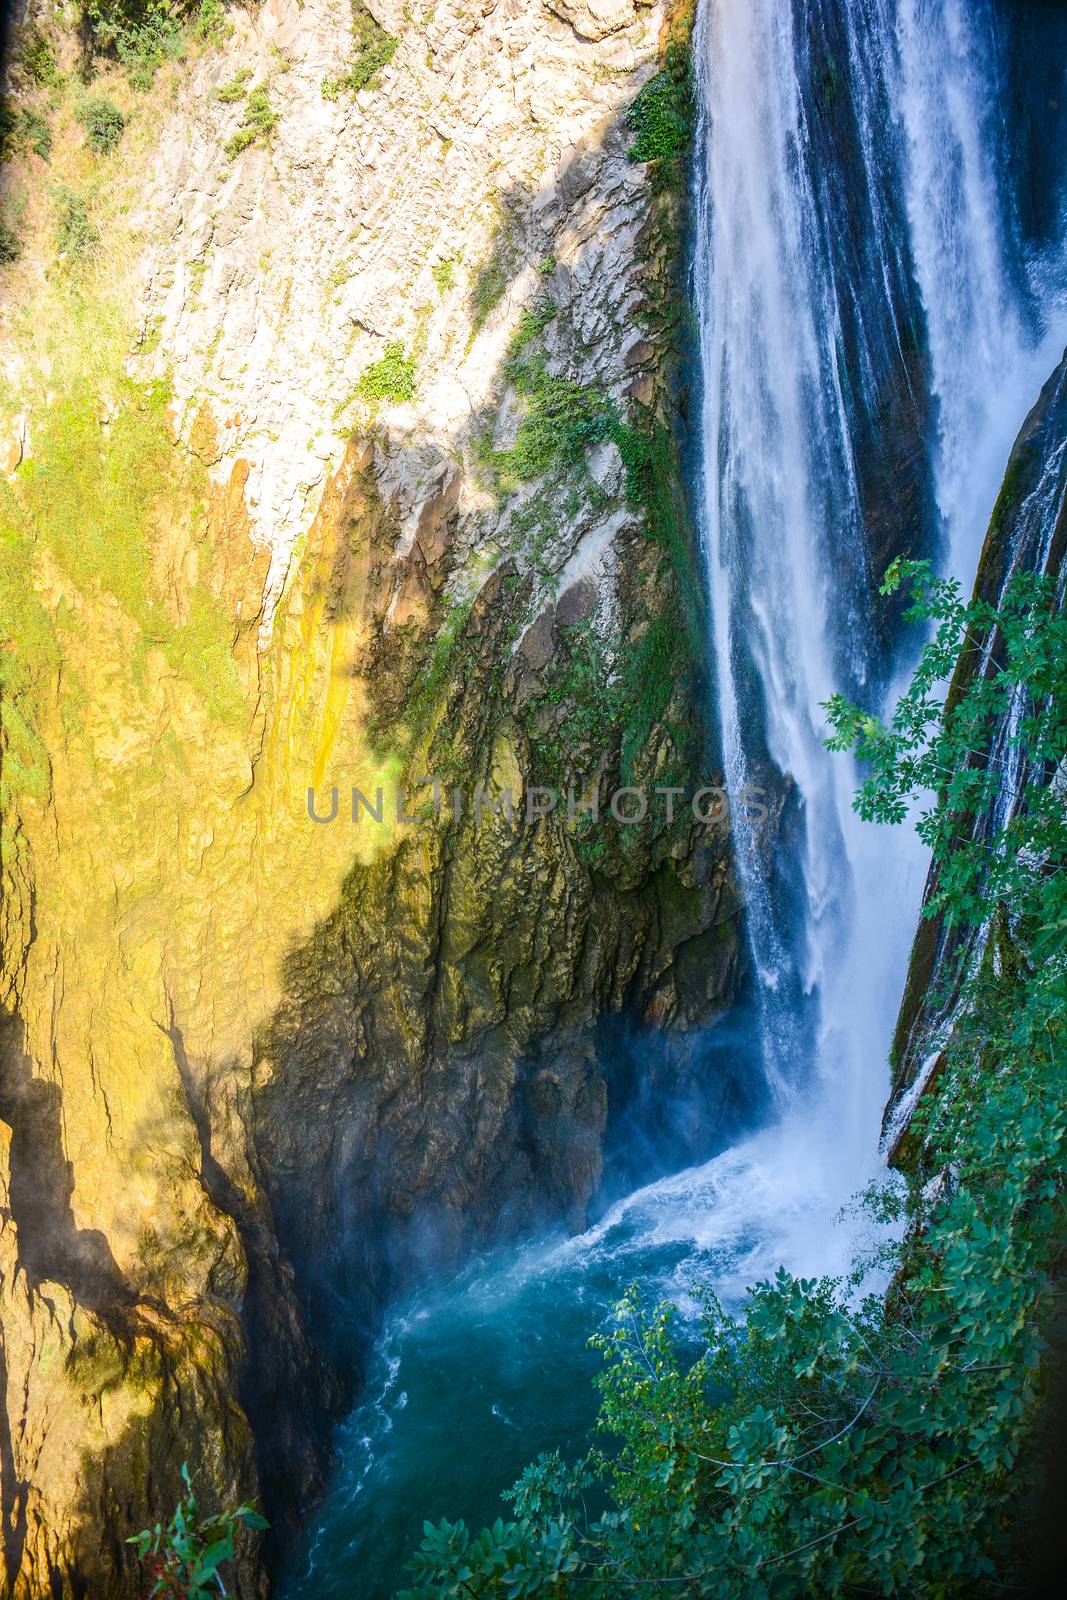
column 652, row 669
column 578, row 683
column 490, row 281
column 439, row 669
column 89, row 499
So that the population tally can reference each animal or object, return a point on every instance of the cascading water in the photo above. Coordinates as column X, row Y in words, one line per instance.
column 786, row 552
column 855, row 256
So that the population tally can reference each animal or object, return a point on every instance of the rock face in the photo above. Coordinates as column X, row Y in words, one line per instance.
column 352, row 463
column 1027, row 533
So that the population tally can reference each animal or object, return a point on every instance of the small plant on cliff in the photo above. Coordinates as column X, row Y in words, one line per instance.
column 184, row 1559
column 391, row 378
column 444, row 275
column 233, row 91
column 813, row 1443
column 374, row 50
column 103, row 123
column 256, row 125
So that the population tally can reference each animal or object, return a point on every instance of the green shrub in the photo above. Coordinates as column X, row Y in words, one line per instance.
column 661, row 118
column 76, row 237
column 391, row 378
column 143, row 34
column 531, row 325
column 563, row 419
column 103, row 123
column 211, row 24
column 257, row 124
column 36, row 132
column 369, row 62
column 233, row 91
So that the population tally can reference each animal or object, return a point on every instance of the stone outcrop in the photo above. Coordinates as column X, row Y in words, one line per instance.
column 344, row 458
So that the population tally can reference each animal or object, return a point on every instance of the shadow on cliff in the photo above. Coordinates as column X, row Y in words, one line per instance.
column 51, row 1247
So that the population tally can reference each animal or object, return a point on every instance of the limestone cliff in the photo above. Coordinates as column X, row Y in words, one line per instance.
column 338, row 418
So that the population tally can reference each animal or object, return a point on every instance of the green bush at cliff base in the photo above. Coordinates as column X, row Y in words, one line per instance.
column 37, row 57
column 818, row 1441
column 24, row 129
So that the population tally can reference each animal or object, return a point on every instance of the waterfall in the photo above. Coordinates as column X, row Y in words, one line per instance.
column 989, row 350
column 793, row 354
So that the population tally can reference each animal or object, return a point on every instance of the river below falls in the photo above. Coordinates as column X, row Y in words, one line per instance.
column 473, row 1378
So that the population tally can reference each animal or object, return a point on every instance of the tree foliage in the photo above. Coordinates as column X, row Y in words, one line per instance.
column 184, row 1559
column 1009, row 664
column 818, row 1441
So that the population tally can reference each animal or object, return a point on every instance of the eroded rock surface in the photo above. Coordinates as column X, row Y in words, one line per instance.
column 345, row 458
